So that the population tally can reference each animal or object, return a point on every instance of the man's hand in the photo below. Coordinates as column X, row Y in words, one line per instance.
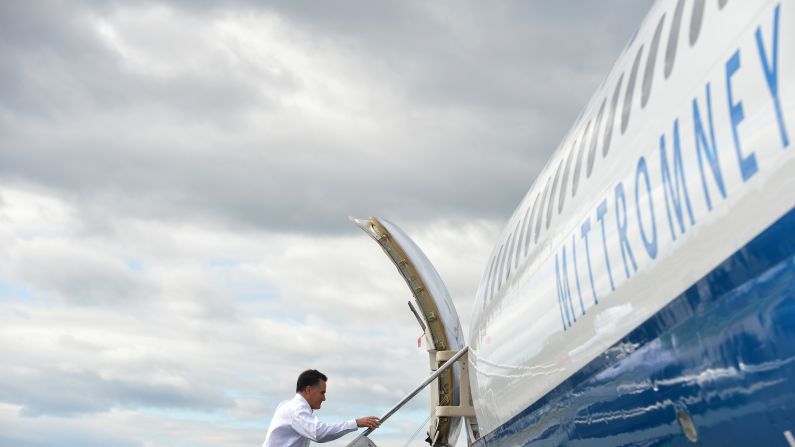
column 368, row 421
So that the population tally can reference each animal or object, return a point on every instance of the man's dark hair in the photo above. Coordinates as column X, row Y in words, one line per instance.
column 310, row 377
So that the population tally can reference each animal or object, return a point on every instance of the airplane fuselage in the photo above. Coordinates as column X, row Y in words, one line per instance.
column 644, row 290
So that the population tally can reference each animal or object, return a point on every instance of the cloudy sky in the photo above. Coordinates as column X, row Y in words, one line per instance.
column 175, row 181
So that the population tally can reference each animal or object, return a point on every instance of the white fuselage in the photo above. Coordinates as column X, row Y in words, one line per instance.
column 683, row 155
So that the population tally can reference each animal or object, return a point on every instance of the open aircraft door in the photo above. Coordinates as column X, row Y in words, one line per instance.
column 451, row 402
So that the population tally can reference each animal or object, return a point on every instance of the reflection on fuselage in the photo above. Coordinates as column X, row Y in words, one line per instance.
column 646, row 295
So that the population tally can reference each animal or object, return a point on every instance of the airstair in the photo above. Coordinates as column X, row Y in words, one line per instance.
column 451, row 402
column 465, row 410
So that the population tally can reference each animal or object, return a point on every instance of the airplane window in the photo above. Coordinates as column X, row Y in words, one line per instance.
column 576, row 176
column 551, row 206
column 648, row 75
column 515, row 247
column 722, row 3
column 486, row 274
column 695, row 20
column 504, row 267
column 503, row 274
column 611, row 118
column 487, row 278
column 509, row 253
column 627, row 108
column 673, row 38
column 632, row 39
column 520, row 242
column 541, row 209
column 564, row 182
column 495, row 274
column 530, row 224
column 595, row 138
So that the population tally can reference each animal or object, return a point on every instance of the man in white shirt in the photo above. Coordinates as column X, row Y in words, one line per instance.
column 294, row 424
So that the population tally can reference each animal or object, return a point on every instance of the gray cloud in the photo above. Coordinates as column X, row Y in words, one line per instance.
column 67, row 437
column 68, row 393
column 175, row 181
column 77, row 275
column 450, row 110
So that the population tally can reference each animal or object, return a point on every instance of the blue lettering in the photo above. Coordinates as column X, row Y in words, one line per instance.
column 747, row 164
column 651, row 246
column 601, row 210
column 576, row 272
column 584, row 230
column 672, row 189
column 621, row 222
column 771, row 72
column 564, row 293
column 709, row 148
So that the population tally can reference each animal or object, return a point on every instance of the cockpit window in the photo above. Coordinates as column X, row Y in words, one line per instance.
column 648, row 74
column 673, row 38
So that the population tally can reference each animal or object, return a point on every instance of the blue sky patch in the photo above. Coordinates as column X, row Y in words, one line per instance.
column 134, row 264
column 10, row 291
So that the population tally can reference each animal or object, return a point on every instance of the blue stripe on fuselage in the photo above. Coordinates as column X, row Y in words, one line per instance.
column 723, row 351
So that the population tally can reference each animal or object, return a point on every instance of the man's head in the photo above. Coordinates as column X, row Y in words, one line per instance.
column 312, row 385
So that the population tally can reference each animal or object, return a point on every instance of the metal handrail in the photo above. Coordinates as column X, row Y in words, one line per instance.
column 414, row 392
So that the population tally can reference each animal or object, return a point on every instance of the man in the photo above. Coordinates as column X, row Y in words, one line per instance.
column 294, row 424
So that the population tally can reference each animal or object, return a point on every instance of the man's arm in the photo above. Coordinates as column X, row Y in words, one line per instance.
column 308, row 426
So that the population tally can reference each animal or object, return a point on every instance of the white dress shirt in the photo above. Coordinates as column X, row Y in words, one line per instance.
column 294, row 425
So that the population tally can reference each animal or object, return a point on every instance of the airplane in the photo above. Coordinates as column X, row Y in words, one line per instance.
column 643, row 291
